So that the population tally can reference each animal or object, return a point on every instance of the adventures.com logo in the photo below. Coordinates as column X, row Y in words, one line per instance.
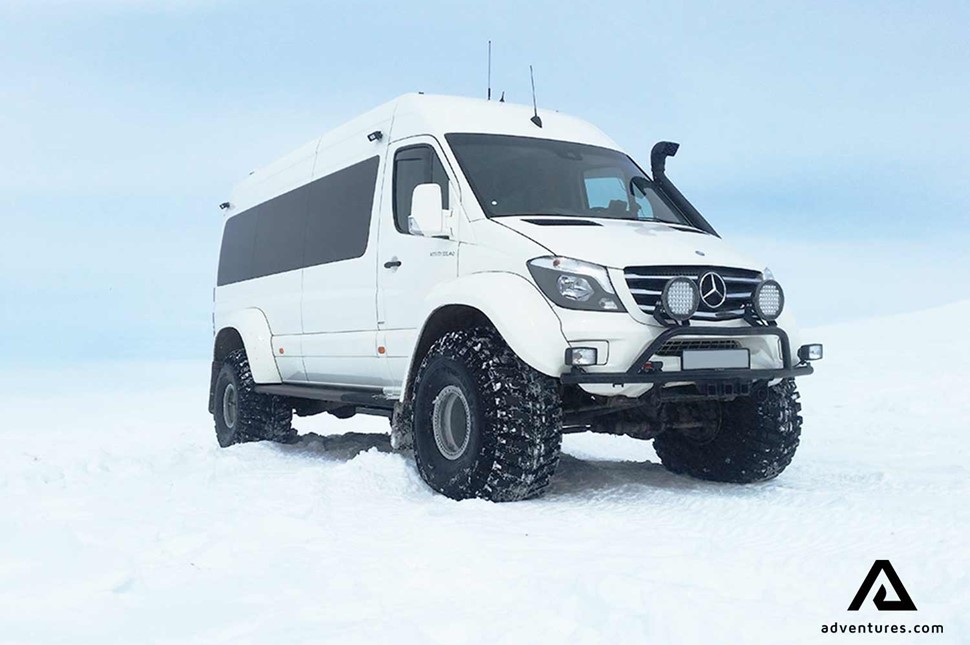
column 900, row 601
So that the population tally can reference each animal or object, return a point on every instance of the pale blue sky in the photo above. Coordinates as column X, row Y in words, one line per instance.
column 831, row 138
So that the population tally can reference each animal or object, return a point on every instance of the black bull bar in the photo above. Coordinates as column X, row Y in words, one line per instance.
column 637, row 374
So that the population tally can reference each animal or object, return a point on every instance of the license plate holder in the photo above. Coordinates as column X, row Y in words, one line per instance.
column 715, row 359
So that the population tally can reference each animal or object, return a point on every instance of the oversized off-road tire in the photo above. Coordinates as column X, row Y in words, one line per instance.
column 244, row 415
column 484, row 423
column 756, row 439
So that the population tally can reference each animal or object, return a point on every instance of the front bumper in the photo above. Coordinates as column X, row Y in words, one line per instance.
column 645, row 371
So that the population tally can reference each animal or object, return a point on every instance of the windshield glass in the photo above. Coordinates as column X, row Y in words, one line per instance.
column 526, row 176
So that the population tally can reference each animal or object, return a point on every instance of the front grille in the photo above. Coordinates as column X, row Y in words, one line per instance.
column 676, row 347
column 647, row 283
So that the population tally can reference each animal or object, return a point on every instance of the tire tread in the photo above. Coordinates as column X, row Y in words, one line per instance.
column 262, row 417
column 522, row 416
column 756, row 442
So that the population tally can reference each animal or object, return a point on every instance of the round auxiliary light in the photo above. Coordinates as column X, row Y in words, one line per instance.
column 680, row 298
column 768, row 300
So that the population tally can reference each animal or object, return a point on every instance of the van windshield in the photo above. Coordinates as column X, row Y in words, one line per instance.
column 524, row 176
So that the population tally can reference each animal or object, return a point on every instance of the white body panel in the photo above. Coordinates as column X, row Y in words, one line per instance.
column 339, row 305
column 618, row 243
column 254, row 330
column 425, row 263
column 277, row 296
column 520, row 313
column 355, row 322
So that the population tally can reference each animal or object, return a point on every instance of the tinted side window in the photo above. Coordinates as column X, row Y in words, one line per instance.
column 340, row 208
column 279, row 233
column 238, row 240
column 414, row 166
column 324, row 221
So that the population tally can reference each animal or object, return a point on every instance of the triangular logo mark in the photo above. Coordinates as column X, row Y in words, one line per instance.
column 905, row 603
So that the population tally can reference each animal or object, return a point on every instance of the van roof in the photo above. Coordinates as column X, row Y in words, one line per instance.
column 439, row 115
column 406, row 116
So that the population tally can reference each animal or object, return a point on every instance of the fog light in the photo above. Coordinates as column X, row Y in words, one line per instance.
column 810, row 352
column 581, row 356
column 680, row 298
column 768, row 300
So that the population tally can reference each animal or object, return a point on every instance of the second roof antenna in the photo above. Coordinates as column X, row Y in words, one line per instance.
column 535, row 119
column 488, row 96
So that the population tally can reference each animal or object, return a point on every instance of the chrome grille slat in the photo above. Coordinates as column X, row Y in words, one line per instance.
column 637, row 276
column 720, row 314
column 646, row 285
column 745, row 280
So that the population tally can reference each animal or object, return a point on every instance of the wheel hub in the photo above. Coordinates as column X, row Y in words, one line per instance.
column 451, row 421
column 230, row 405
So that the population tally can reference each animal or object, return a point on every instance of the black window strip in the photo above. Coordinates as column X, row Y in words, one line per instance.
column 326, row 220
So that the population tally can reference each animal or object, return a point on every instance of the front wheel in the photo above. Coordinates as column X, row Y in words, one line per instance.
column 484, row 423
column 754, row 439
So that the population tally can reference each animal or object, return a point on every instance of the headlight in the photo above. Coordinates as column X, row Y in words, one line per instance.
column 680, row 298
column 574, row 287
column 768, row 300
column 574, row 284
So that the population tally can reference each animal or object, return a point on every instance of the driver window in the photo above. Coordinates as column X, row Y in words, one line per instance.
column 650, row 206
column 606, row 192
column 413, row 166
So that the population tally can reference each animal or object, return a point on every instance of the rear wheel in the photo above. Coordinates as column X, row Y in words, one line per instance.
column 242, row 414
column 484, row 423
column 752, row 439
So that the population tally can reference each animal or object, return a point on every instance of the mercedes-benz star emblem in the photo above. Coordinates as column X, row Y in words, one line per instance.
column 713, row 290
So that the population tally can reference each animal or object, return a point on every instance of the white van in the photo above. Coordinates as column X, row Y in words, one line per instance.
column 490, row 277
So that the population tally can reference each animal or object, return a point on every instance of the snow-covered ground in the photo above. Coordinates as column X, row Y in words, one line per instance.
column 121, row 521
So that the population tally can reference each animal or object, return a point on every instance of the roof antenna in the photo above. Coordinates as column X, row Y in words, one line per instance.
column 488, row 96
column 535, row 119
column 502, row 98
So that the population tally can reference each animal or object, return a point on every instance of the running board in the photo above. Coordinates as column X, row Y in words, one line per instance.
column 364, row 399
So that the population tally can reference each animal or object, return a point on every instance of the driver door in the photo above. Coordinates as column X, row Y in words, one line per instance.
column 410, row 265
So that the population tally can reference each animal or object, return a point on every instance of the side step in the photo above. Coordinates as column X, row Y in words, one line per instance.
column 366, row 400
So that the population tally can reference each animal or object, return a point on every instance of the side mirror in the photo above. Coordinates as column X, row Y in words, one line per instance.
column 427, row 217
column 639, row 186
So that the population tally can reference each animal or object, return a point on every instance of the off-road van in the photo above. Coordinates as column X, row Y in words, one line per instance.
column 489, row 277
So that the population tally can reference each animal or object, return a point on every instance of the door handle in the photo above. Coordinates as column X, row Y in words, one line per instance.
column 392, row 264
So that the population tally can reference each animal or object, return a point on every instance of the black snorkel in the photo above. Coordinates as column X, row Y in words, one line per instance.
column 658, row 161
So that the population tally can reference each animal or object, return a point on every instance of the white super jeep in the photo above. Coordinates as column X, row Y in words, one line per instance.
column 490, row 278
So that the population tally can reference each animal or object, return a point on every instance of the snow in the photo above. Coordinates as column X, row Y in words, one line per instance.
column 122, row 521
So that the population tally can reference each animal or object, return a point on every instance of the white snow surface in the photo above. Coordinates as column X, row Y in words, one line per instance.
column 121, row 521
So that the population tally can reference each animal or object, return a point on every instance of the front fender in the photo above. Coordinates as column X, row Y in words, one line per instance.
column 516, row 308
